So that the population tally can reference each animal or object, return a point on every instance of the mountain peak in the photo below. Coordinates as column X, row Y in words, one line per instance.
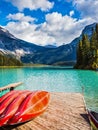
column 5, row 32
column 89, row 29
column 32, row 53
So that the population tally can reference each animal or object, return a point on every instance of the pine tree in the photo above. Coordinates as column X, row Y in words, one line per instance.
column 79, row 53
column 9, row 61
column 87, row 53
column 86, row 50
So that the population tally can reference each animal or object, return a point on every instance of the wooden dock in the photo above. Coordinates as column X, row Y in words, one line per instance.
column 66, row 111
column 13, row 85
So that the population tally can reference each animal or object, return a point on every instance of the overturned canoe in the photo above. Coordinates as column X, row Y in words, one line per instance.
column 93, row 117
column 24, row 107
column 6, row 95
column 4, row 104
column 12, row 108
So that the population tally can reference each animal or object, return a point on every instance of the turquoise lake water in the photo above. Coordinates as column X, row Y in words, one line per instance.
column 55, row 80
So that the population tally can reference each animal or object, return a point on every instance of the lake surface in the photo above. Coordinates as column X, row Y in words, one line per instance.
column 55, row 80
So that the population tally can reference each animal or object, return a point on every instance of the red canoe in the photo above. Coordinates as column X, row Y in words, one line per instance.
column 22, row 106
column 33, row 105
column 12, row 107
column 6, row 95
column 8, row 100
column 93, row 117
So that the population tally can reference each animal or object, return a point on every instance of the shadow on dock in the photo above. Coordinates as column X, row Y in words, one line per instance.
column 85, row 116
column 66, row 111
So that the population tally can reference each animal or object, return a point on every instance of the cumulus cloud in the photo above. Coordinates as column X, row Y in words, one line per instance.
column 56, row 28
column 20, row 17
column 87, row 8
column 44, row 5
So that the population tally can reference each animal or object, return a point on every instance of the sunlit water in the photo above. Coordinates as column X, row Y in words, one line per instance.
column 55, row 80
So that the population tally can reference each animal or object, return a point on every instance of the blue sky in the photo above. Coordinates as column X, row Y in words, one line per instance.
column 47, row 21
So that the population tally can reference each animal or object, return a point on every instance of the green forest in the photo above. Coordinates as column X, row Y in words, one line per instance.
column 87, row 51
column 9, row 61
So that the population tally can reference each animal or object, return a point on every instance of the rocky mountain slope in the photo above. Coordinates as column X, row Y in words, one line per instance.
column 32, row 53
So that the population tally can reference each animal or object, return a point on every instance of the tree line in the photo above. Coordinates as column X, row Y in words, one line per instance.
column 9, row 61
column 87, row 51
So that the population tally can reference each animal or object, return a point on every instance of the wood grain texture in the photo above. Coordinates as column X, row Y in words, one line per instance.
column 66, row 111
column 13, row 85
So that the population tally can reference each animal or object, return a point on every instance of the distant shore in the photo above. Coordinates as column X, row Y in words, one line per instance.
column 37, row 65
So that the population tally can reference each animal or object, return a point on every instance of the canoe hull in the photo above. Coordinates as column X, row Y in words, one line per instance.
column 12, row 108
column 93, row 119
column 34, row 105
column 22, row 106
column 8, row 100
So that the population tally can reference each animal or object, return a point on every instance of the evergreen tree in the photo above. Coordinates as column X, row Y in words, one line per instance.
column 79, row 53
column 86, row 49
column 9, row 61
column 87, row 53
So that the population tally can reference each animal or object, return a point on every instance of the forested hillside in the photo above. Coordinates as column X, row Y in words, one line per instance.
column 9, row 61
column 87, row 51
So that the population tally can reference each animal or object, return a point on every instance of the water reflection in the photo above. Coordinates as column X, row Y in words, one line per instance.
column 89, row 80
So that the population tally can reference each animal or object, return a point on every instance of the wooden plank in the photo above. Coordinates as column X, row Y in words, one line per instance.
column 13, row 85
column 66, row 111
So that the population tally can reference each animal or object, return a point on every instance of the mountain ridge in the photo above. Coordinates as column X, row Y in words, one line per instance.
column 32, row 53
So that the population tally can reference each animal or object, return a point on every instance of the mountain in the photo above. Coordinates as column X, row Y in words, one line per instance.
column 32, row 53
column 51, row 56
column 87, row 51
column 63, row 54
column 11, row 44
column 50, row 46
column 8, row 60
column 89, row 29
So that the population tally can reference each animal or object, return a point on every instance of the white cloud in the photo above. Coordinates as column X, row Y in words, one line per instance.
column 44, row 5
column 87, row 8
column 71, row 13
column 56, row 29
column 20, row 17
